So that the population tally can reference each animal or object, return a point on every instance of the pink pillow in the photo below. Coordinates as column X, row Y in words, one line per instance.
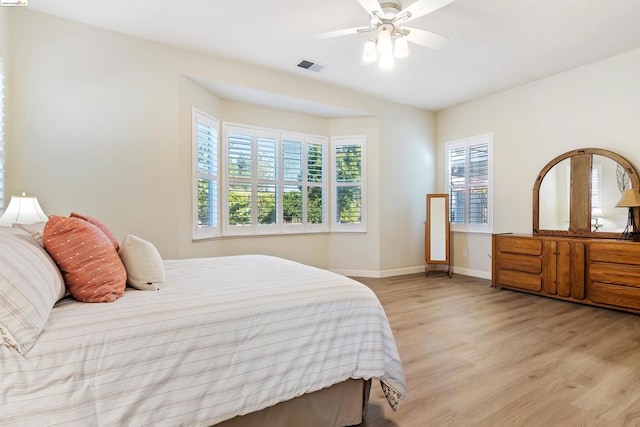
column 100, row 225
column 91, row 267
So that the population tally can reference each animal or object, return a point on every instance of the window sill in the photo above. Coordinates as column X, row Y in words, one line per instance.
column 473, row 232
column 262, row 236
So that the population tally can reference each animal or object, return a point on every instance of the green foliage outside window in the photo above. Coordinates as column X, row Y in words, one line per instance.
column 314, row 205
column 240, row 204
column 349, row 170
column 292, row 205
column 206, row 203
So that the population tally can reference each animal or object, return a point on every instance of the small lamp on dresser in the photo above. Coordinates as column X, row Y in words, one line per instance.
column 22, row 210
column 630, row 199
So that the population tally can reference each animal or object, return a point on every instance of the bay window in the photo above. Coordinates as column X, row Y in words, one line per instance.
column 257, row 181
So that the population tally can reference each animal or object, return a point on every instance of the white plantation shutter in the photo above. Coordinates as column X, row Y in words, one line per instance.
column 348, row 184
column 275, row 181
column 316, row 206
column 469, row 174
column 304, row 183
column 267, row 158
column 243, row 161
column 457, row 184
column 292, row 160
column 260, row 181
column 206, row 179
column 266, row 183
column 479, row 183
column 250, row 196
column 240, row 157
column 292, row 181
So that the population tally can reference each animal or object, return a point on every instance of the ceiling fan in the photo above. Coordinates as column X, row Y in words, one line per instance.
column 387, row 19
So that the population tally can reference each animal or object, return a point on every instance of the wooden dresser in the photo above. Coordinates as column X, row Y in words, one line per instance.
column 601, row 272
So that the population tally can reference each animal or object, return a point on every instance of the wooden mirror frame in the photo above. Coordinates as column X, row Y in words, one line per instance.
column 580, row 190
column 437, row 233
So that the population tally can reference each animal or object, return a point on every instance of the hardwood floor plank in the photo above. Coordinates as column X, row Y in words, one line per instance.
column 477, row 356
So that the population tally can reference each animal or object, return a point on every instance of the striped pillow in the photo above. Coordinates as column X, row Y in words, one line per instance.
column 35, row 230
column 30, row 284
column 87, row 259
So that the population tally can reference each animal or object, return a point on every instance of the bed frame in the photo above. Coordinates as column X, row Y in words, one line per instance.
column 343, row 404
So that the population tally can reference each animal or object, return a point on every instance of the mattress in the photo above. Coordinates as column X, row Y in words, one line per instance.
column 223, row 337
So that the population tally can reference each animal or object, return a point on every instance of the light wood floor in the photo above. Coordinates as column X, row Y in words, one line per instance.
column 477, row 356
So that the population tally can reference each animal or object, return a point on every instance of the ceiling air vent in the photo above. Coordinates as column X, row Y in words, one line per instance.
column 310, row 65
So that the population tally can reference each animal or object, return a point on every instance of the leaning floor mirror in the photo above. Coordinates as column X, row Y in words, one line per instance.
column 437, row 234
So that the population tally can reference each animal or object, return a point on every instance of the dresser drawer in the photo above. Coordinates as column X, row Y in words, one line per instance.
column 526, row 263
column 518, row 245
column 620, row 253
column 619, row 296
column 619, row 274
column 517, row 279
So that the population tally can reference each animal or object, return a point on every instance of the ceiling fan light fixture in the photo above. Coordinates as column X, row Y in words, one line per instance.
column 401, row 48
column 369, row 53
column 387, row 18
column 384, row 42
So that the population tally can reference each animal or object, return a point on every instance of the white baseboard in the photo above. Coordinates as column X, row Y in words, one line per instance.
column 473, row 273
column 379, row 274
column 401, row 271
column 356, row 273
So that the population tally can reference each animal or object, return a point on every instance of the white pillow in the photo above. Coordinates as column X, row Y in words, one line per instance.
column 145, row 269
column 35, row 230
column 30, row 284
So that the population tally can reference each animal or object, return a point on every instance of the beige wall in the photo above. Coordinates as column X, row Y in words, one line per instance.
column 407, row 175
column 596, row 105
column 4, row 34
column 101, row 124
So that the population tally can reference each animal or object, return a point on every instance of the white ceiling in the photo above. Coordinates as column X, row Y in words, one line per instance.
column 493, row 44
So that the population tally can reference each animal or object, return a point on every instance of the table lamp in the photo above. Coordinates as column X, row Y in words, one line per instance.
column 630, row 199
column 22, row 210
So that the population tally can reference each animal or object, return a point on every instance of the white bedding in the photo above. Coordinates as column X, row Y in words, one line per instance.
column 223, row 337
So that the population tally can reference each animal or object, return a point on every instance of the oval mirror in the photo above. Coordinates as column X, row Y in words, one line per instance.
column 608, row 181
column 575, row 194
column 554, row 197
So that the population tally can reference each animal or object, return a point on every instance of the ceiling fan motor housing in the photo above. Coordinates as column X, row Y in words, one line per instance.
column 390, row 8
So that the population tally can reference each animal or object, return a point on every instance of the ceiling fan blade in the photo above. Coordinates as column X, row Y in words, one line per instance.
column 372, row 7
column 423, row 7
column 344, row 32
column 425, row 38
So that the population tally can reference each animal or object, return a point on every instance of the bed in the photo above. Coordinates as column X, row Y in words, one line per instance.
column 231, row 340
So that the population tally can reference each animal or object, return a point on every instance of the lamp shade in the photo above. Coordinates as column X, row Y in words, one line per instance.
column 385, row 46
column 369, row 53
column 630, row 198
column 401, row 49
column 22, row 210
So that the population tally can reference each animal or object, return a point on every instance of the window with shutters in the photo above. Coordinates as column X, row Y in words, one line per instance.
column 348, row 191
column 469, row 175
column 206, row 208
column 1, row 137
column 254, row 181
column 275, row 182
